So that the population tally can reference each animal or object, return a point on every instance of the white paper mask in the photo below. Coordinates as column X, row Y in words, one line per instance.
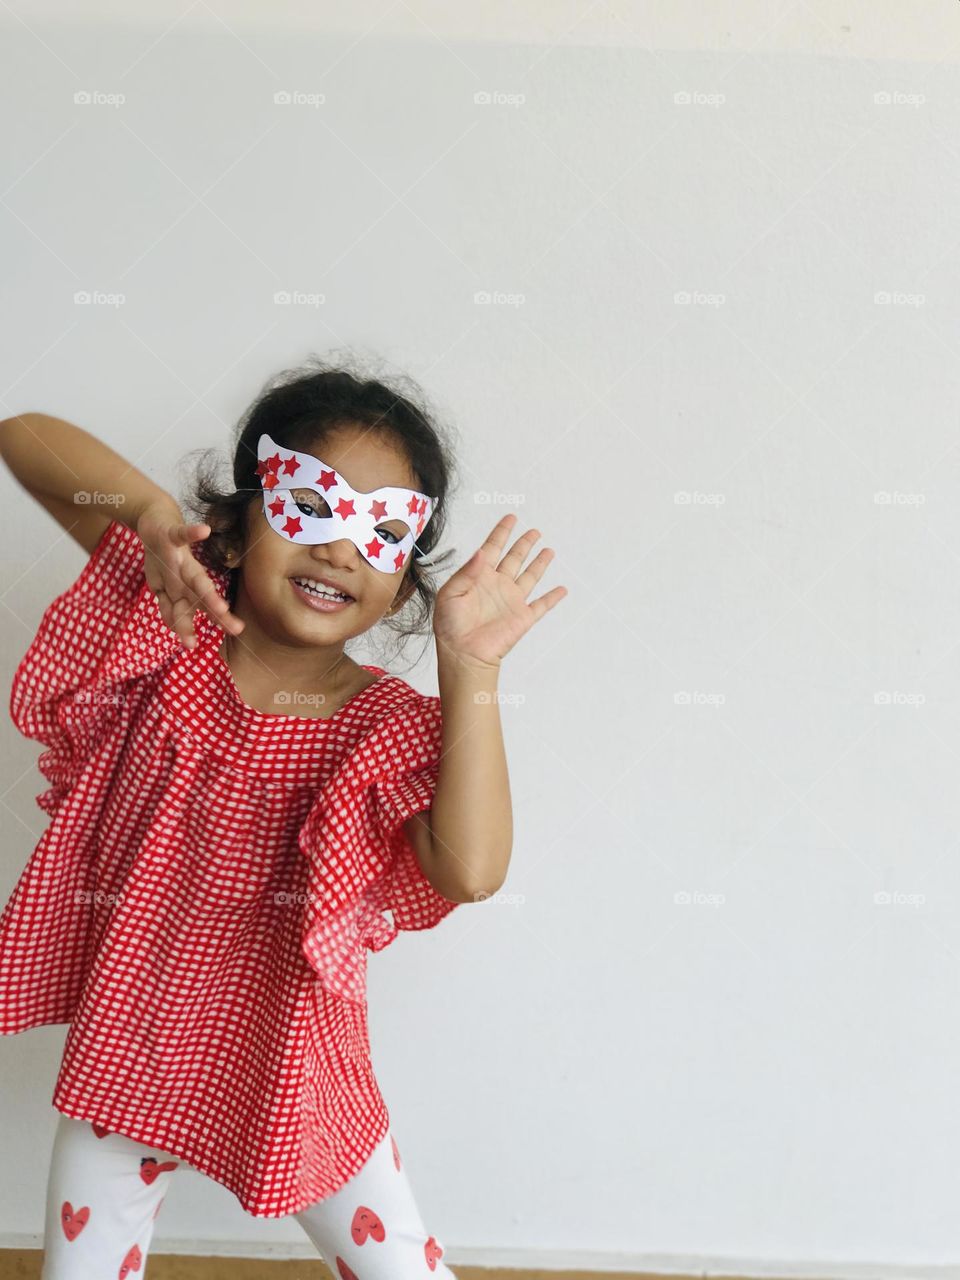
column 319, row 506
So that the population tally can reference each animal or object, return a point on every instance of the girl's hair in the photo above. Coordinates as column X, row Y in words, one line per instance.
column 299, row 408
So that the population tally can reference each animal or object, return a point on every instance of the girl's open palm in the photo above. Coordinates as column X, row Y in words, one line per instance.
column 482, row 610
column 175, row 576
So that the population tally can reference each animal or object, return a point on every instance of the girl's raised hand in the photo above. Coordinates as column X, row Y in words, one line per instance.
column 175, row 576
column 482, row 611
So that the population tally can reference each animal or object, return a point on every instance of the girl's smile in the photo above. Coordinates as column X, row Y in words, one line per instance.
column 313, row 599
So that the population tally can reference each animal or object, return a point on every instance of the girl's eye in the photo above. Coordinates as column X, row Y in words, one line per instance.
column 310, row 503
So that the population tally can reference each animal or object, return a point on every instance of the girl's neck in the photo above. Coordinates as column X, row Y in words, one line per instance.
column 275, row 678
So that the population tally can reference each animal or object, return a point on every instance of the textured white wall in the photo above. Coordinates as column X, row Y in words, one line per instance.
column 721, row 1025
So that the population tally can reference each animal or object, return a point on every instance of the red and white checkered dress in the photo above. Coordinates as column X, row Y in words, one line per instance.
column 200, row 906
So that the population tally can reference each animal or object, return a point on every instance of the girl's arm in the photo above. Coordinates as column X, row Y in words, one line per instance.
column 464, row 844
column 77, row 478
column 84, row 485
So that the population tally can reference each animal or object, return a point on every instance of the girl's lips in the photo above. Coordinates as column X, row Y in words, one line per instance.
column 320, row 605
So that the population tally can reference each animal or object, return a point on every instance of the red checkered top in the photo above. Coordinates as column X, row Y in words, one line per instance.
column 200, row 905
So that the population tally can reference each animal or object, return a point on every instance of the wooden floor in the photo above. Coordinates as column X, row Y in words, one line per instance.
column 24, row 1264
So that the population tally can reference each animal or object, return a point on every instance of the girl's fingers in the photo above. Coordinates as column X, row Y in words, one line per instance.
column 183, row 534
column 183, row 620
column 497, row 537
column 206, row 597
column 181, row 584
column 210, row 600
column 187, row 585
column 513, row 560
column 535, row 569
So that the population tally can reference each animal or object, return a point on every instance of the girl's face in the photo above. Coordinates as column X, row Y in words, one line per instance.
column 269, row 563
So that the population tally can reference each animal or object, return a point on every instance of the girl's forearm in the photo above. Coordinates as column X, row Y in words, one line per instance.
column 471, row 820
column 58, row 459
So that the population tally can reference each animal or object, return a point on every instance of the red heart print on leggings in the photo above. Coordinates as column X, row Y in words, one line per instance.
column 150, row 1168
column 366, row 1223
column 73, row 1220
column 345, row 1272
column 99, row 1129
column 432, row 1252
column 132, row 1262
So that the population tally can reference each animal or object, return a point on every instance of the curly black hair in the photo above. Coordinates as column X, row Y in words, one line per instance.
column 298, row 408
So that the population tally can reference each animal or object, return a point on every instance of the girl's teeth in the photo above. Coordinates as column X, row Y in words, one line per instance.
column 324, row 592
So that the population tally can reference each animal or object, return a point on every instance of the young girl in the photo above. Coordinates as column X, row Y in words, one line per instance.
column 235, row 803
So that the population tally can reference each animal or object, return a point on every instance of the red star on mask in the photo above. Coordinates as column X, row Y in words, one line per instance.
column 328, row 480
column 290, row 465
column 276, row 508
column 344, row 508
column 291, row 526
column 378, row 510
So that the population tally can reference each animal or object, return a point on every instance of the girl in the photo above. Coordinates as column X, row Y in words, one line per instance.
column 234, row 805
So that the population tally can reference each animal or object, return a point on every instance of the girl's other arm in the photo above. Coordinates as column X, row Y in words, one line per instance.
column 481, row 612
column 64, row 468
column 465, row 843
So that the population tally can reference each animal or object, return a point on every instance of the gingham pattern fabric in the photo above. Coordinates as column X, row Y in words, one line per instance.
column 200, row 905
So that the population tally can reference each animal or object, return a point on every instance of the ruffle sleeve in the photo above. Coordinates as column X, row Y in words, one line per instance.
column 72, row 684
column 360, row 861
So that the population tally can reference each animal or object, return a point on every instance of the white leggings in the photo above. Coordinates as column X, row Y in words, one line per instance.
column 104, row 1194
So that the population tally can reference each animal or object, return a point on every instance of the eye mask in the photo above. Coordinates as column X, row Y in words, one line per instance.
column 308, row 502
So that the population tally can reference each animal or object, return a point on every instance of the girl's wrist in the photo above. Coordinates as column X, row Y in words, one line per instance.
column 132, row 512
column 453, row 666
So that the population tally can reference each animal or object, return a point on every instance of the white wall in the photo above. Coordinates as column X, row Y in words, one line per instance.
column 762, row 1078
